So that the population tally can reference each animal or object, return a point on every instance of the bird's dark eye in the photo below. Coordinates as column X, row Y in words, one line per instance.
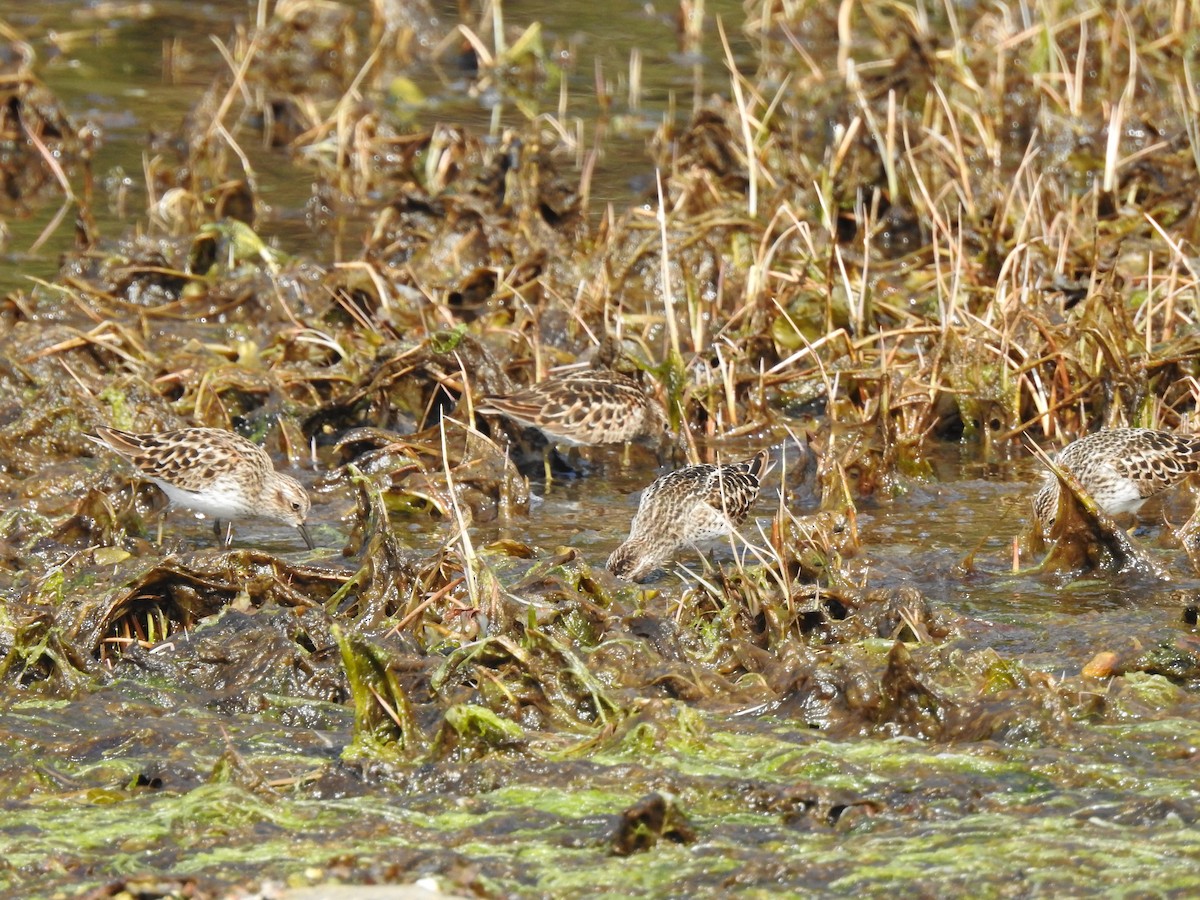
column 295, row 506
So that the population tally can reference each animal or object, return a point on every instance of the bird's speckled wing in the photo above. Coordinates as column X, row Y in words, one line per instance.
column 191, row 459
column 1159, row 460
column 732, row 489
column 595, row 407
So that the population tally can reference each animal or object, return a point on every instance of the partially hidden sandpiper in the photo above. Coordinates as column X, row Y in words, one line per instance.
column 585, row 408
column 685, row 508
column 1120, row 468
column 214, row 472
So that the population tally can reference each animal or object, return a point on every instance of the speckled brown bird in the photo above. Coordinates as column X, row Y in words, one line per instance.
column 1121, row 468
column 685, row 508
column 584, row 408
column 215, row 472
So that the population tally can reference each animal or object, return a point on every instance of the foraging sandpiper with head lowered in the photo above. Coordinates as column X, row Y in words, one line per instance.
column 1121, row 468
column 685, row 508
column 585, row 408
column 214, row 472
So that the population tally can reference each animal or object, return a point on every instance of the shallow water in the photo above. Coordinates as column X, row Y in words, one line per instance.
column 113, row 77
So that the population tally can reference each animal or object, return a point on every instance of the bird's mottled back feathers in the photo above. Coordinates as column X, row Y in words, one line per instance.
column 1121, row 468
column 190, row 458
column 686, row 508
column 594, row 406
column 214, row 472
column 1157, row 460
column 730, row 489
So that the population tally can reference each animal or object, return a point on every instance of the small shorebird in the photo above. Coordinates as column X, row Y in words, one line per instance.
column 585, row 408
column 685, row 508
column 1121, row 468
column 215, row 472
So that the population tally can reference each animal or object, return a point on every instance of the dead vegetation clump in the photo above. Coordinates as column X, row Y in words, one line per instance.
column 40, row 148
